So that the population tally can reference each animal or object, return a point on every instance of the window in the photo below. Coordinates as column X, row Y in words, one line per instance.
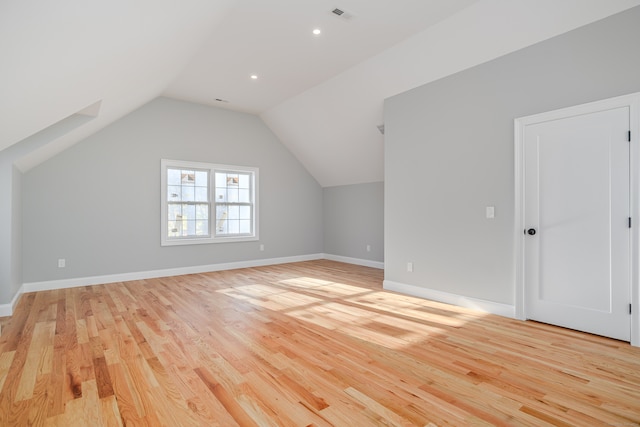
column 208, row 203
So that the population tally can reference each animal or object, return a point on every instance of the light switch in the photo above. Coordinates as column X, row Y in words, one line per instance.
column 491, row 212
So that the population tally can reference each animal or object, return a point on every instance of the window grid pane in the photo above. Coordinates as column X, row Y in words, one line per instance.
column 234, row 203
column 188, row 219
column 203, row 202
column 187, row 202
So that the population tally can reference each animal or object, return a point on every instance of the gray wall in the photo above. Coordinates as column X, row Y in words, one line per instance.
column 11, row 202
column 97, row 204
column 353, row 219
column 10, row 276
column 16, row 231
column 449, row 153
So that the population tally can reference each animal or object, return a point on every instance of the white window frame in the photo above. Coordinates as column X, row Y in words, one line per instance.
column 211, row 168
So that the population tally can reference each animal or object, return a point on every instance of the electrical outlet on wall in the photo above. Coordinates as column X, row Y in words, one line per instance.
column 62, row 263
column 490, row 212
column 410, row 267
column 368, row 248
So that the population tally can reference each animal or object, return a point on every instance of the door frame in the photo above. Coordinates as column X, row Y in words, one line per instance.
column 633, row 102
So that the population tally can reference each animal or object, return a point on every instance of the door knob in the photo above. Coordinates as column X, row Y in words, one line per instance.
column 531, row 231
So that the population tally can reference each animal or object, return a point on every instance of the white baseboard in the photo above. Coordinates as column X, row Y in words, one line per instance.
column 7, row 309
column 356, row 261
column 152, row 274
column 500, row 309
column 468, row 302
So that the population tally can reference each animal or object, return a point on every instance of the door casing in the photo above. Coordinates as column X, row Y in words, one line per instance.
column 633, row 102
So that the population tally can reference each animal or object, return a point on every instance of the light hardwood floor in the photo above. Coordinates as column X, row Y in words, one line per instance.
column 313, row 343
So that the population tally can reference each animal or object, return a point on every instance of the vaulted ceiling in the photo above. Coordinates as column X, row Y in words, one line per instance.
column 322, row 95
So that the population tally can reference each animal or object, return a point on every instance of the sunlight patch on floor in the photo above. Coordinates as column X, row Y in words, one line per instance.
column 391, row 320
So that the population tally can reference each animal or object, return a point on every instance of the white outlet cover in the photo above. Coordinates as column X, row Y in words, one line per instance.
column 491, row 212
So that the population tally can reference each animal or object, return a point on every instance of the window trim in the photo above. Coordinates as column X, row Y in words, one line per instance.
column 212, row 168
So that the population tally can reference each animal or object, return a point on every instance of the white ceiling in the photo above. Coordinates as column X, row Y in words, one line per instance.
column 274, row 40
column 321, row 95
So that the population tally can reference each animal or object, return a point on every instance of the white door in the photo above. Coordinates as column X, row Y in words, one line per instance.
column 577, row 227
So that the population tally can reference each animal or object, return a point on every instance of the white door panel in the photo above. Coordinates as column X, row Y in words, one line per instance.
column 577, row 264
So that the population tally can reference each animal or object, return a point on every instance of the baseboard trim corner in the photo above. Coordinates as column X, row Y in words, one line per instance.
column 491, row 307
column 7, row 310
column 356, row 261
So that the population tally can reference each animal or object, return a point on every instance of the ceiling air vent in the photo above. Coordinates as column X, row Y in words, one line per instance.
column 341, row 13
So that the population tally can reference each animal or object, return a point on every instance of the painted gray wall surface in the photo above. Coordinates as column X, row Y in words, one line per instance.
column 449, row 152
column 8, row 284
column 97, row 204
column 11, row 230
column 16, row 231
column 11, row 202
column 353, row 219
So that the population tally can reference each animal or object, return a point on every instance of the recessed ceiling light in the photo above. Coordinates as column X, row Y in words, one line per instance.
column 254, row 77
column 317, row 31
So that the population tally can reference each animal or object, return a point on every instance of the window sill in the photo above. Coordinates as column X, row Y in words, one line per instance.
column 208, row 240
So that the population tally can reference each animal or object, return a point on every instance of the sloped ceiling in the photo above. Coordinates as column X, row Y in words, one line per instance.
column 59, row 57
column 332, row 127
column 322, row 95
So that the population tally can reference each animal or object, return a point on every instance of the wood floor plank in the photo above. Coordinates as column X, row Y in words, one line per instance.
column 227, row 400
column 6, row 360
column 313, row 343
column 36, row 357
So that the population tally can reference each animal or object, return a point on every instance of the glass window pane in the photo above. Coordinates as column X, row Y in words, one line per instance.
column 232, row 195
column 188, row 177
column 173, row 176
column 188, row 194
column 173, row 229
column 221, row 219
column 221, row 194
column 233, row 180
column 244, row 196
column 202, row 228
column 234, row 226
column 221, row 211
column 189, row 212
column 202, row 194
column 176, row 226
column 191, row 228
column 244, row 181
column 221, row 179
column 173, row 193
column 245, row 226
column 202, row 179
column 245, row 212
column 173, row 211
column 234, row 212
column 202, row 211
